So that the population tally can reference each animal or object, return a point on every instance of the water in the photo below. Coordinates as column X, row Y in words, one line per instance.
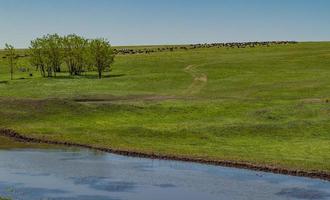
column 33, row 174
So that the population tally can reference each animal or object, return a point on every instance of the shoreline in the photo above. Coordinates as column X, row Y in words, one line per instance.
column 235, row 164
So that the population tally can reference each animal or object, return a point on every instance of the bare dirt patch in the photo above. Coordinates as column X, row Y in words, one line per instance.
column 316, row 100
column 129, row 98
column 31, row 103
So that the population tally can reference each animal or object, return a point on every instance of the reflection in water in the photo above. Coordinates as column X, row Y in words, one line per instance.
column 164, row 185
column 301, row 193
column 85, row 197
column 102, row 183
column 86, row 175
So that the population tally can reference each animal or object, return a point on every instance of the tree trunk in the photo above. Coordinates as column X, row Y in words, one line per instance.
column 11, row 70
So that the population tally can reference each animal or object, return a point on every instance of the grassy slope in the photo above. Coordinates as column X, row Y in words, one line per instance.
column 264, row 105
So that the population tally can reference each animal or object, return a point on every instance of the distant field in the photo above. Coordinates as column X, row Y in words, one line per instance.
column 265, row 105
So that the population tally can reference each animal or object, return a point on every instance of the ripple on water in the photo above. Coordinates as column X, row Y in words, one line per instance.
column 303, row 193
column 104, row 184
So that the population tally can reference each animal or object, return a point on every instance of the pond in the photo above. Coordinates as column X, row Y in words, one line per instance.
column 75, row 174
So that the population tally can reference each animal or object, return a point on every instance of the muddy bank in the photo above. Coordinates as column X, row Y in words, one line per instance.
column 242, row 165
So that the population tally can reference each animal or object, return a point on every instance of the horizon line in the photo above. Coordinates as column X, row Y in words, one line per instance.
column 184, row 44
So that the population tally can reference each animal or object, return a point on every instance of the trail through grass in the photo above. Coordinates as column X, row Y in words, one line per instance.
column 199, row 80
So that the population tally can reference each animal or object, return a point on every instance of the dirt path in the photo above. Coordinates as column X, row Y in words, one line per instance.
column 199, row 80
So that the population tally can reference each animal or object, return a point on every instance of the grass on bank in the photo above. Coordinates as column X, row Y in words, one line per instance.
column 266, row 105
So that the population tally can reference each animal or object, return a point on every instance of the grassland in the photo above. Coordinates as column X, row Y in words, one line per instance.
column 265, row 105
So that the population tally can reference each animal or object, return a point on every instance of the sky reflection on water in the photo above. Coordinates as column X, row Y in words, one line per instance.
column 86, row 175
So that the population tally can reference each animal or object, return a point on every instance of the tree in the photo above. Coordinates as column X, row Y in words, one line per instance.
column 37, row 55
column 101, row 55
column 75, row 53
column 12, row 57
column 46, row 54
column 53, row 53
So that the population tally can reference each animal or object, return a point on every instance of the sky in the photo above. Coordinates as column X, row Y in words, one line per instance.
column 137, row 22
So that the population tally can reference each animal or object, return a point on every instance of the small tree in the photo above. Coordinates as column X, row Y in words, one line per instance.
column 12, row 57
column 101, row 55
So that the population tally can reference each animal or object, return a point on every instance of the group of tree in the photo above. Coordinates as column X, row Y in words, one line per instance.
column 52, row 54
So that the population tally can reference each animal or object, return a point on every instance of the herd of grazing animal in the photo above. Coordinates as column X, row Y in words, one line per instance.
column 197, row 46
column 194, row 46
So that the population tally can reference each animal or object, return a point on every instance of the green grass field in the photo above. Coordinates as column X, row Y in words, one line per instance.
column 265, row 105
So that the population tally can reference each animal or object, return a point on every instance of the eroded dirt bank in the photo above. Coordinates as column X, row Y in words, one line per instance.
column 242, row 165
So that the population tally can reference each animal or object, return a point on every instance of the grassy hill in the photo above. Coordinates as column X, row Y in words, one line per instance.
column 265, row 105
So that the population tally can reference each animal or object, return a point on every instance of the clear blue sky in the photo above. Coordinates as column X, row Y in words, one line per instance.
column 132, row 22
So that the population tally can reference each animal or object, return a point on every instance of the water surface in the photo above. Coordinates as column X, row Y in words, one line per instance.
column 70, row 174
